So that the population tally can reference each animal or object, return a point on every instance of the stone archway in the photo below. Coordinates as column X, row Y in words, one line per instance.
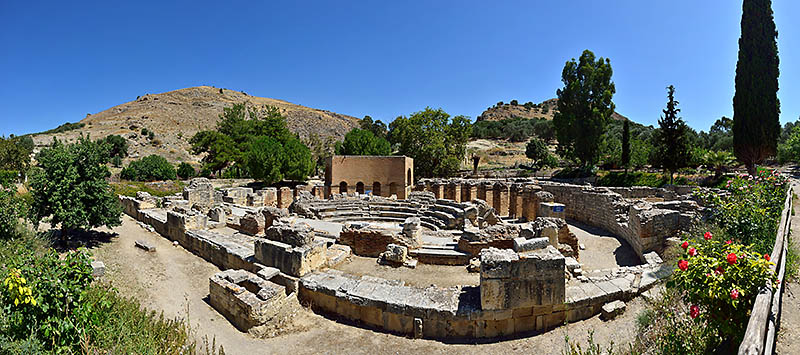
column 376, row 188
column 343, row 187
column 360, row 187
column 408, row 178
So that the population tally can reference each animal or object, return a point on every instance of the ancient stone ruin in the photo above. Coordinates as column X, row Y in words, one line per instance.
column 279, row 245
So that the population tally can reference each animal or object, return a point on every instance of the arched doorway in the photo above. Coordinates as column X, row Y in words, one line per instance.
column 392, row 189
column 376, row 188
column 343, row 187
column 360, row 187
column 408, row 178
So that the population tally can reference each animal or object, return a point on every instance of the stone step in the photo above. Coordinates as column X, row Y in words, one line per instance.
column 427, row 255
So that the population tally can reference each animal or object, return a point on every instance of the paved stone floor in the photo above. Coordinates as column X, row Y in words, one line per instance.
column 422, row 276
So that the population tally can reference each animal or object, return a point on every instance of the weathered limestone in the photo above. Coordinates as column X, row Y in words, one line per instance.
column 511, row 280
column 145, row 245
column 612, row 309
column 292, row 249
column 98, row 268
column 199, row 192
column 217, row 214
column 500, row 198
column 453, row 191
column 285, row 197
column 552, row 209
column 270, row 197
column 252, row 223
column 395, row 255
column 244, row 298
column 272, row 215
column 370, row 240
column 499, row 236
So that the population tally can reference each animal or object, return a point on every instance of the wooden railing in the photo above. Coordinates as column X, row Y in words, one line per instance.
column 759, row 338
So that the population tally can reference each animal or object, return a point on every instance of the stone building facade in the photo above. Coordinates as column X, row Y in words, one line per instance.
column 378, row 175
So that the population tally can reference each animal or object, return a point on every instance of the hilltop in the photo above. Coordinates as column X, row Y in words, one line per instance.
column 175, row 116
column 544, row 110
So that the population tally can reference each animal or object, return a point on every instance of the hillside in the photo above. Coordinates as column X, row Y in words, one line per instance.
column 176, row 116
column 543, row 110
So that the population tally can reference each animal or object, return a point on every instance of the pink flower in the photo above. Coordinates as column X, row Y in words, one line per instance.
column 683, row 265
column 692, row 251
column 708, row 236
column 685, row 245
column 731, row 258
column 694, row 311
column 728, row 242
column 766, row 256
column 734, row 294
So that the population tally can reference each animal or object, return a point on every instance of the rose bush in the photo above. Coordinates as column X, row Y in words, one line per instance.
column 750, row 210
column 720, row 281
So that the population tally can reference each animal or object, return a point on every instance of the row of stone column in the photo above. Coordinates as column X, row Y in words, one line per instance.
column 517, row 200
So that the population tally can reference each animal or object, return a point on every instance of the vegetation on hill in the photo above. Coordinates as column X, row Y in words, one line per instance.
column 514, row 129
column 66, row 127
column 150, row 168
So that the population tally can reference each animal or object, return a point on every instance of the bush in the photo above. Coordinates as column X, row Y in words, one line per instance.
column 750, row 212
column 721, row 280
column 66, row 127
column 12, row 208
column 117, row 146
column 186, row 171
column 150, row 168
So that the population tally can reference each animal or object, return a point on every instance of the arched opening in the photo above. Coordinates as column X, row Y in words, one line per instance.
column 408, row 178
column 376, row 188
column 392, row 189
column 360, row 187
column 343, row 187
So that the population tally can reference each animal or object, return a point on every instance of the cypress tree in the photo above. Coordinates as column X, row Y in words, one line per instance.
column 626, row 145
column 756, row 108
column 672, row 141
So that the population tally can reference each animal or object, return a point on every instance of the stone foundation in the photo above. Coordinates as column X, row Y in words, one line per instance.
column 245, row 299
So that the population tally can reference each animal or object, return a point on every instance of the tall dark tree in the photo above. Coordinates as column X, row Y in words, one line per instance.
column 755, row 104
column 672, row 141
column 584, row 107
column 626, row 144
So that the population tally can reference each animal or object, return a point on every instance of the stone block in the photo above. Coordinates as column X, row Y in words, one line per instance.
column 244, row 298
column 143, row 244
column 523, row 245
column 552, row 209
column 98, row 268
column 285, row 197
column 612, row 309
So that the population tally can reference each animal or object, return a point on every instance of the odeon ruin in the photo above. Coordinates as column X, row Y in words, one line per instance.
column 514, row 238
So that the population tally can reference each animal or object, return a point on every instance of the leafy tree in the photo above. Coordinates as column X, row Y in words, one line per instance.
column 70, row 184
column 584, row 107
column 220, row 150
column 640, row 153
column 536, row 150
column 150, row 168
column 363, row 142
column 544, row 130
column 186, row 171
column 514, row 102
column 672, row 142
column 436, row 144
column 12, row 208
column 321, row 149
column 756, row 108
column 265, row 158
column 14, row 154
column 790, row 149
column 377, row 128
column 298, row 164
column 626, row 144
column 117, row 146
column 116, row 161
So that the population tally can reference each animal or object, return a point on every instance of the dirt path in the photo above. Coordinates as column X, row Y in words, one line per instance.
column 173, row 280
column 789, row 334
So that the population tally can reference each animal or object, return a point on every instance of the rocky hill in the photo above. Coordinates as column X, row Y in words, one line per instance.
column 544, row 110
column 175, row 116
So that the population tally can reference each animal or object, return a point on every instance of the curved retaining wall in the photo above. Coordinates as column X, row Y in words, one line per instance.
column 455, row 313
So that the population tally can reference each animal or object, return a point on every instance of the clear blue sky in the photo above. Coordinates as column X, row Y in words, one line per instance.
column 61, row 60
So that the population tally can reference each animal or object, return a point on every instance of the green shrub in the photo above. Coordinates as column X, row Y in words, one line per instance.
column 750, row 212
column 721, row 280
column 150, row 168
column 12, row 208
column 66, row 127
column 186, row 171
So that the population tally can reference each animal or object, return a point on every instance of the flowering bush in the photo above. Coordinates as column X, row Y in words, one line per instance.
column 750, row 212
column 720, row 280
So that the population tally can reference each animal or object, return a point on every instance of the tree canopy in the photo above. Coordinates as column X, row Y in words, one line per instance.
column 150, row 168
column 756, row 108
column 70, row 184
column 584, row 107
column 363, row 142
column 437, row 143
